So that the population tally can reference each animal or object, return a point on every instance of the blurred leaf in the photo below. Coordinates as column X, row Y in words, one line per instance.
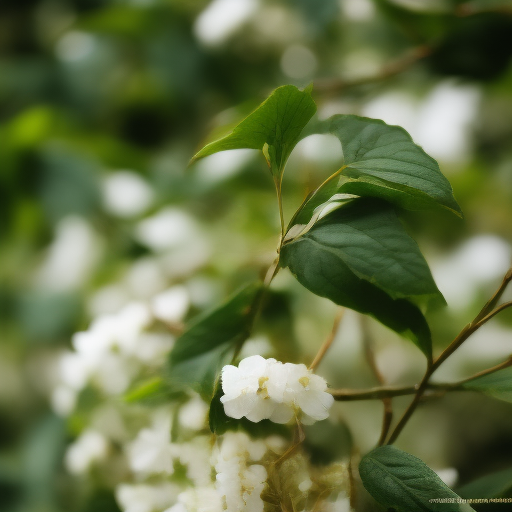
column 151, row 391
column 404, row 483
column 276, row 125
column 382, row 161
column 360, row 257
column 494, row 485
column 497, row 385
column 211, row 340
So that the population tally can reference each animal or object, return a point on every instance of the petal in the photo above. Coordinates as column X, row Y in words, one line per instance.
column 282, row 414
column 261, row 410
column 239, row 406
column 315, row 403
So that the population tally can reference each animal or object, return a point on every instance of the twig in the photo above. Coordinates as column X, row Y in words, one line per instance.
column 175, row 328
column 467, row 9
column 369, row 352
column 499, row 309
column 329, row 86
column 466, row 332
column 506, row 364
column 491, row 304
column 277, row 182
column 437, row 388
column 378, row 393
column 328, row 342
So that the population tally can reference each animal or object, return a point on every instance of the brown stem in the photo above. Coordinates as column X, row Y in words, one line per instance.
column 330, row 86
column 369, row 352
column 175, row 328
column 499, row 309
column 378, row 393
column 466, row 332
column 328, row 342
column 467, row 9
column 437, row 388
column 491, row 304
column 498, row 367
column 277, row 182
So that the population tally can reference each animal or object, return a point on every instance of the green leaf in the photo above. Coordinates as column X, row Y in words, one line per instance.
column 381, row 161
column 149, row 389
column 275, row 127
column 497, row 385
column 360, row 257
column 404, row 483
column 210, row 342
column 495, row 485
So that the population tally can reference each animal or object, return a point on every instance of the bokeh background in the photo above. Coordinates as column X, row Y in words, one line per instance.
column 102, row 104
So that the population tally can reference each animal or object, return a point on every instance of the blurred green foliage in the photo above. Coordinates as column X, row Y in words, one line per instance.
column 88, row 87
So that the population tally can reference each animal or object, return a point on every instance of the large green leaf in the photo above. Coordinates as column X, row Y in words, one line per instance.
column 495, row 485
column 497, row 385
column 274, row 126
column 404, row 483
column 381, row 161
column 210, row 342
column 360, row 257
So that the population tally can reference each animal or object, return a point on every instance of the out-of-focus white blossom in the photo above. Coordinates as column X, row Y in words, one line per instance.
column 195, row 456
column 89, row 448
column 171, row 305
column 166, row 229
column 152, row 347
column 193, row 414
column 239, row 482
column 71, row 257
column 265, row 388
column 449, row 476
column 202, row 499
column 126, row 194
column 146, row 498
column 152, row 451
column 63, row 400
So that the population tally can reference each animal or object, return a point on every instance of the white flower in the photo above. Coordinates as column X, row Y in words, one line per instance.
column 307, row 392
column 63, row 400
column 193, row 414
column 195, row 457
column 202, row 499
column 89, row 448
column 255, row 390
column 265, row 388
column 146, row 498
column 152, row 451
column 239, row 482
column 171, row 305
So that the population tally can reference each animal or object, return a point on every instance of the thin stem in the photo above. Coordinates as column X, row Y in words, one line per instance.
column 378, row 393
column 389, row 70
column 499, row 309
column 466, row 332
column 271, row 272
column 369, row 351
column 491, row 304
column 497, row 368
column 328, row 342
column 278, row 184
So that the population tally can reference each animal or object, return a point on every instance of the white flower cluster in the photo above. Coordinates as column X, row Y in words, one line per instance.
column 133, row 445
column 239, row 480
column 116, row 346
column 268, row 389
